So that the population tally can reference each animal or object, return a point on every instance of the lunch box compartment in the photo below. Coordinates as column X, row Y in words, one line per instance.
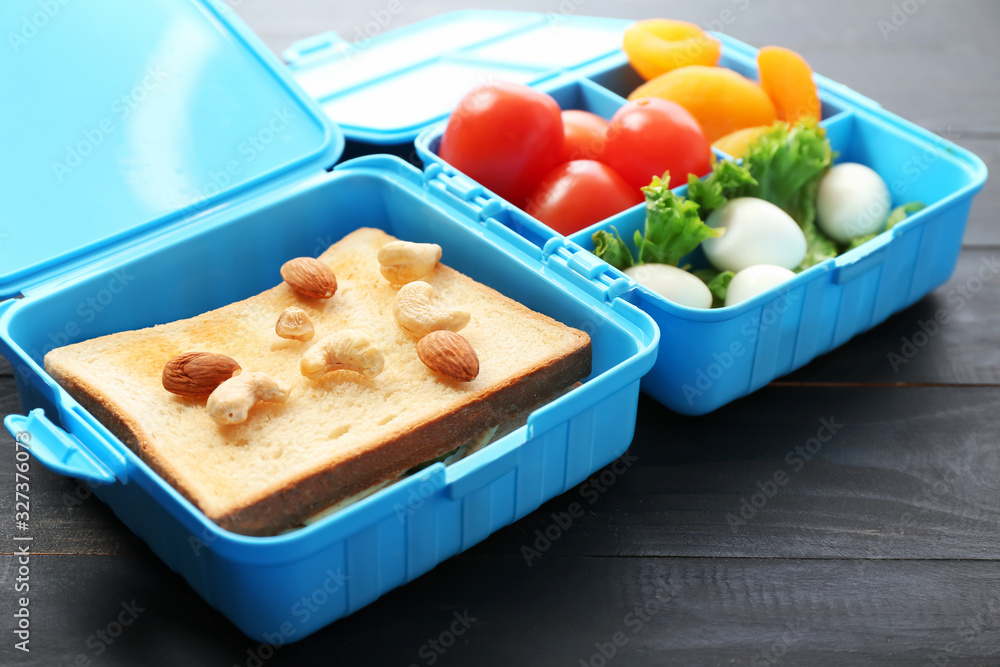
column 708, row 358
column 620, row 80
column 181, row 232
column 401, row 531
column 711, row 357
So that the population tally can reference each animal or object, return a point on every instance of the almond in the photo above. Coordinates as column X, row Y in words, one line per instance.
column 449, row 354
column 197, row 374
column 310, row 277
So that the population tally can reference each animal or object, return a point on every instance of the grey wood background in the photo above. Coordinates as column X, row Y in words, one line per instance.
column 883, row 548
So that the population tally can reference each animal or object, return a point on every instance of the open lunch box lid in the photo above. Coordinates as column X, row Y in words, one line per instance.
column 132, row 117
column 385, row 86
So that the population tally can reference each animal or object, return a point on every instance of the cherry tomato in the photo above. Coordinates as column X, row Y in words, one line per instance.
column 505, row 136
column 649, row 136
column 577, row 194
column 583, row 135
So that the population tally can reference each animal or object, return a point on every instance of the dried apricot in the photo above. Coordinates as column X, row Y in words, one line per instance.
column 722, row 100
column 657, row 46
column 736, row 143
column 787, row 79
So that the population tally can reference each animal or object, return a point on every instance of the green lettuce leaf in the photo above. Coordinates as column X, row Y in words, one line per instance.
column 612, row 249
column 727, row 181
column 900, row 213
column 718, row 284
column 706, row 275
column 783, row 166
column 673, row 226
column 788, row 162
column 819, row 246
column 719, row 287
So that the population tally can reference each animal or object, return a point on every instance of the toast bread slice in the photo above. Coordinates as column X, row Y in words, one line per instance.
column 339, row 434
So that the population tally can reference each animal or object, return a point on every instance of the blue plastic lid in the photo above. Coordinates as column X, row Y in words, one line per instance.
column 119, row 117
column 385, row 87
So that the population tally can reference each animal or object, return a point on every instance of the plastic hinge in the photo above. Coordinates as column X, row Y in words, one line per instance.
column 459, row 189
column 60, row 451
column 459, row 185
column 572, row 261
column 310, row 47
column 586, row 264
column 489, row 207
column 618, row 287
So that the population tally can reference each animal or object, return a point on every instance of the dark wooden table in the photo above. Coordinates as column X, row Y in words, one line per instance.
column 882, row 547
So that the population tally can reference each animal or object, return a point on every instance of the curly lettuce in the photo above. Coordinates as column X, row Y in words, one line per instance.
column 728, row 180
column 718, row 284
column 673, row 229
column 783, row 166
column 788, row 163
column 613, row 249
column 673, row 226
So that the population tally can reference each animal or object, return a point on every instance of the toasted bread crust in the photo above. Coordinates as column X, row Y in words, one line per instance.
column 289, row 461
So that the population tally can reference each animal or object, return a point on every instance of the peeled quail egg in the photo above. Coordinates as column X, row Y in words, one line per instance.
column 757, row 232
column 677, row 285
column 756, row 279
column 852, row 201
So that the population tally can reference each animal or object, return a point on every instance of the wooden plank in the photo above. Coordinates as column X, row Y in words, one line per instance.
column 908, row 473
column 483, row 610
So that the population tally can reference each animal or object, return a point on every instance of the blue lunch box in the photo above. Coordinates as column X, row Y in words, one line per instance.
column 707, row 357
column 176, row 175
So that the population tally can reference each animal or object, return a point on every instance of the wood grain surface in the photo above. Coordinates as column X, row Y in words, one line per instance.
column 731, row 539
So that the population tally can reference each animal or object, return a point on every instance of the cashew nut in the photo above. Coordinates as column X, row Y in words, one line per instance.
column 416, row 313
column 294, row 324
column 348, row 350
column 231, row 401
column 403, row 262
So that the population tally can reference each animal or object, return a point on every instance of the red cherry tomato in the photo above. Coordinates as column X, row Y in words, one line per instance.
column 649, row 136
column 583, row 135
column 577, row 194
column 505, row 136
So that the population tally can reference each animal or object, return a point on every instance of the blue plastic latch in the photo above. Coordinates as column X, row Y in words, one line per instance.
column 432, row 171
column 457, row 189
column 60, row 451
column 586, row 264
column 585, row 269
column 620, row 287
column 456, row 184
column 491, row 208
column 464, row 189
